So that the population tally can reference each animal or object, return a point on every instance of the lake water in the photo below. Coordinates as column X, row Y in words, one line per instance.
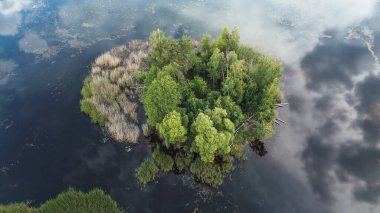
column 326, row 158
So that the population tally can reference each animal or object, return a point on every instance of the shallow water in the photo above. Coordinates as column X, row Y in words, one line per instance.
column 324, row 159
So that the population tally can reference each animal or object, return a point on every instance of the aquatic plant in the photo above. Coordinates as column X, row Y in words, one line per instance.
column 107, row 92
column 146, row 172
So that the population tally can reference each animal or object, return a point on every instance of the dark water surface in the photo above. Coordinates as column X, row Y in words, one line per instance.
column 326, row 158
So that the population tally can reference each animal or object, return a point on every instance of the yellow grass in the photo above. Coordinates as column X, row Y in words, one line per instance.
column 111, row 80
column 107, row 60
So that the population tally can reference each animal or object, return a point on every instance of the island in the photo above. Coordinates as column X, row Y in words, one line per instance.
column 197, row 102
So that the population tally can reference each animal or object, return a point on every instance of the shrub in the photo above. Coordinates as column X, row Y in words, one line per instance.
column 115, row 75
column 146, row 172
column 146, row 129
column 237, row 151
column 139, row 76
column 122, row 130
column 77, row 202
column 133, row 133
column 70, row 201
column 89, row 108
column 181, row 162
column 17, row 208
column 107, row 60
column 86, row 89
column 162, row 160
column 129, row 107
column 210, row 173
column 95, row 70
column 104, row 90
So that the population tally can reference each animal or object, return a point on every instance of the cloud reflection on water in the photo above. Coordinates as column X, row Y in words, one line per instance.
column 10, row 15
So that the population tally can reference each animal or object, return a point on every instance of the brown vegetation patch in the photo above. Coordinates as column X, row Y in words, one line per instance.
column 112, row 88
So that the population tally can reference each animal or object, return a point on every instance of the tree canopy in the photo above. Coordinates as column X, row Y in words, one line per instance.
column 171, row 128
column 203, row 99
column 161, row 97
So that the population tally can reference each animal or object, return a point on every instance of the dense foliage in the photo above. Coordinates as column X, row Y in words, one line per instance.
column 70, row 201
column 206, row 100
column 147, row 172
column 17, row 208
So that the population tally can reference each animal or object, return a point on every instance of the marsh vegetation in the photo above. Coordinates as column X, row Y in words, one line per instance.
column 71, row 201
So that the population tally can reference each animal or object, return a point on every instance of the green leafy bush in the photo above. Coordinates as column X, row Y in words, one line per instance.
column 161, row 97
column 69, row 201
column 77, row 202
column 89, row 108
column 210, row 173
column 162, row 160
column 146, row 172
column 86, row 89
column 182, row 162
column 171, row 128
column 17, row 208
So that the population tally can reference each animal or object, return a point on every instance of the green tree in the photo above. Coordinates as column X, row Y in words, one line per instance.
column 165, row 51
column 216, row 65
column 171, row 129
column 234, row 84
column 208, row 141
column 249, row 55
column 227, row 41
column 234, row 39
column 233, row 110
column 262, row 89
column 174, row 70
column 161, row 97
column 222, row 41
column 206, row 48
column 220, row 119
column 234, row 88
column 200, row 87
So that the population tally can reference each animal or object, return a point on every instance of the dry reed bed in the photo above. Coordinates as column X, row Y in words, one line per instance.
column 111, row 79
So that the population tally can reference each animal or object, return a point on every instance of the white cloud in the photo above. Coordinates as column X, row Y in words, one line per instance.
column 10, row 15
